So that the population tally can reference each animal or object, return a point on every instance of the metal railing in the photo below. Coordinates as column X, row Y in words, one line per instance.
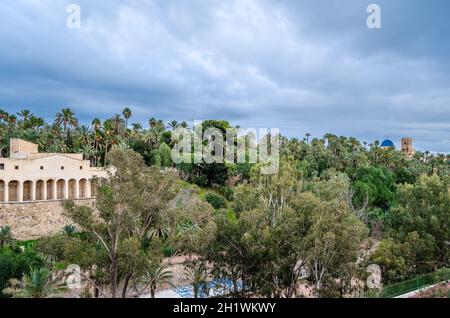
column 415, row 284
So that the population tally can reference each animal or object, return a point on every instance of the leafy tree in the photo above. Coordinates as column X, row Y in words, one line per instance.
column 14, row 263
column 374, row 185
column 165, row 154
column 420, row 224
column 129, row 204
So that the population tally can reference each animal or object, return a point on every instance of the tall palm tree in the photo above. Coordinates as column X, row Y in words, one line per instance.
column 96, row 123
column 36, row 122
column 84, row 135
column 25, row 116
column 108, row 130
column 137, row 127
column 183, row 124
column 307, row 137
column 118, row 123
column 126, row 114
column 152, row 122
column 173, row 125
column 67, row 118
column 88, row 153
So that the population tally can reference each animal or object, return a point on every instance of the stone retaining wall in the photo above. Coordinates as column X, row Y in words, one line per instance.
column 33, row 220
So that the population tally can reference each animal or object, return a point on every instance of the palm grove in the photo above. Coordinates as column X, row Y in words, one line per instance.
column 336, row 206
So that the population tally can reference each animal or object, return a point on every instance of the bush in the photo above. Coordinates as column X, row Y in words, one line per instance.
column 216, row 201
column 227, row 192
column 168, row 251
column 201, row 181
column 155, row 158
column 14, row 263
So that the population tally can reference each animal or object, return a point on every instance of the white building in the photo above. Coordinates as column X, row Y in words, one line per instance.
column 32, row 176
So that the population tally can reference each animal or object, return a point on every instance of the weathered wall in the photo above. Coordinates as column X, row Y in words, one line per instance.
column 32, row 220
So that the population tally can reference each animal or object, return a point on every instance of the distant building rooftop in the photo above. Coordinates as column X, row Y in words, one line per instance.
column 387, row 144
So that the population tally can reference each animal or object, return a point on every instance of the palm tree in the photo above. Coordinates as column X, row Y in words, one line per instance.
column 152, row 122
column 183, row 124
column 118, row 123
column 67, row 118
column 35, row 284
column 26, row 115
column 159, row 231
column 96, row 124
column 108, row 129
column 3, row 115
column 137, row 127
column 126, row 114
column 84, row 135
column 136, row 130
column 153, row 135
column 36, row 122
column 88, row 153
column 6, row 236
column 156, row 276
column 173, row 125
column 307, row 137
column 197, row 274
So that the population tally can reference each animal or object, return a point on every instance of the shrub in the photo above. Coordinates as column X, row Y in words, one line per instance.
column 216, row 201
column 14, row 263
column 227, row 192
column 168, row 251
column 201, row 181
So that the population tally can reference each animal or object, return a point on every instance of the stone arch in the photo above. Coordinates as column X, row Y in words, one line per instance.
column 83, row 191
column 51, row 195
column 14, row 190
column 60, row 189
column 40, row 190
column 27, row 190
column 72, row 189
column 2, row 191
column 94, row 186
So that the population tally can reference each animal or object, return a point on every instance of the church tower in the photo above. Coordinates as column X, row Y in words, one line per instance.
column 407, row 147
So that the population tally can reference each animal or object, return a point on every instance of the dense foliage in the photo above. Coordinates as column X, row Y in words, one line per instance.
column 335, row 206
column 15, row 261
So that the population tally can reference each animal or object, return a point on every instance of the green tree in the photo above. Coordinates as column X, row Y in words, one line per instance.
column 166, row 155
column 127, row 115
column 129, row 204
column 66, row 117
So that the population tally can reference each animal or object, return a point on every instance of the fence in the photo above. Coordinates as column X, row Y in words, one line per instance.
column 415, row 284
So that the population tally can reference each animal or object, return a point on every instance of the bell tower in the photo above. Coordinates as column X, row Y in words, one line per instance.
column 407, row 147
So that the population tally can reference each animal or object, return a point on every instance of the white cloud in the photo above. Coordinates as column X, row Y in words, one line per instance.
column 257, row 63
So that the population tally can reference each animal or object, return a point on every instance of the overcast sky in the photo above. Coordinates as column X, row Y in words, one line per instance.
column 301, row 66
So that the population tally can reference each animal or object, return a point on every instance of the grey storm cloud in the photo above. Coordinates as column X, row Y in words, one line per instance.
column 301, row 66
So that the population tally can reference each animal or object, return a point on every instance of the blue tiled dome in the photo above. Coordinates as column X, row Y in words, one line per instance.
column 387, row 144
